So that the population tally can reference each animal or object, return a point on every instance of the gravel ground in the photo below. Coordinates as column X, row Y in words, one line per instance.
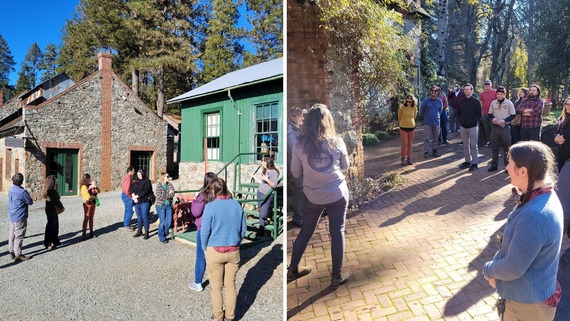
column 118, row 277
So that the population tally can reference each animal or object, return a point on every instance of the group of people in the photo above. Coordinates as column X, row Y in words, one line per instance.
column 219, row 219
column 19, row 200
column 493, row 116
column 524, row 270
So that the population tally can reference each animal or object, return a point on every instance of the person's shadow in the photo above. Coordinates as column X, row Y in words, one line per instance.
column 256, row 277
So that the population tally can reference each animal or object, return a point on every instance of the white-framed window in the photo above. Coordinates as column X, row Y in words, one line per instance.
column 213, row 136
column 266, row 131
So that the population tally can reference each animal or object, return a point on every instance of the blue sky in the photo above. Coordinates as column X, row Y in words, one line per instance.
column 24, row 22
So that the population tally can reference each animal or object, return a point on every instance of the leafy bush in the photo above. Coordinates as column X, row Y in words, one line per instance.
column 382, row 135
column 369, row 139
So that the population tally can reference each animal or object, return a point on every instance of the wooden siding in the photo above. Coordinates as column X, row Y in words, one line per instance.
column 193, row 131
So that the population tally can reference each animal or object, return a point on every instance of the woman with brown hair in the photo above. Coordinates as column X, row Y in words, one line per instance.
column 268, row 181
column 53, row 203
column 525, row 268
column 89, row 205
column 321, row 157
column 407, row 119
column 223, row 228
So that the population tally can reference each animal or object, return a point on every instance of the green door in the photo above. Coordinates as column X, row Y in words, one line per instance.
column 63, row 164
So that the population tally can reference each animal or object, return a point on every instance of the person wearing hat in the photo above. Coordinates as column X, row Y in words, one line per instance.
column 501, row 112
column 486, row 97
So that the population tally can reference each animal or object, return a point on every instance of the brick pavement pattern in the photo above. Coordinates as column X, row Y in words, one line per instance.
column 416, row 252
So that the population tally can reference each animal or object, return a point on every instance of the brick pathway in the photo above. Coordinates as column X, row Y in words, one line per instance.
column 414, row 253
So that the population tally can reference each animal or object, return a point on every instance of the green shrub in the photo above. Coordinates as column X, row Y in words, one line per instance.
column 369, row 139
column 382, row 135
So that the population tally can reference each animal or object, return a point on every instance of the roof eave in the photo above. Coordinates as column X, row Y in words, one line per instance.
column 174, row 100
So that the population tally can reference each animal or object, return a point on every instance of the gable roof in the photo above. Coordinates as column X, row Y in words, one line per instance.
column 255, row 74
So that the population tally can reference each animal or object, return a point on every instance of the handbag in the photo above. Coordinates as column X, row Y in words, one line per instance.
column 59, row 210
column 517, row 120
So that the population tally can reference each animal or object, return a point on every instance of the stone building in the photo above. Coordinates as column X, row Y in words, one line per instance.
column 96, row 126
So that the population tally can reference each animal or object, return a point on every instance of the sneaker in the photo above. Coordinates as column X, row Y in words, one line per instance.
column 488, row 144
column 338, row 280
column 464, row 165
column 410, row 162
column 21, row 258
column 301, row 271
column 403, row 162
column 128, row 228
column 426, row 154
column 473, row 167
column 12, row 255
column 492, row 169
column 446, row 142
column 434, row 153
column 195, row 286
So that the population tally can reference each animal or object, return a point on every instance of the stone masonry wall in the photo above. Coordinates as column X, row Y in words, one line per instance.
column 73, row 120
column 192, row 174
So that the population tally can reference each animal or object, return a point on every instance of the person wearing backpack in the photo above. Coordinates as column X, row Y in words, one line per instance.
column 142, row 197
column 164, row 195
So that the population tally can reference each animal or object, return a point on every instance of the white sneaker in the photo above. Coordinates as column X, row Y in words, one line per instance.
column 195, row 286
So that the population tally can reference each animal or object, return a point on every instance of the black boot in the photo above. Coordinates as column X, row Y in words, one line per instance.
column 138, row 233
column 146, row 237
column 260, row 231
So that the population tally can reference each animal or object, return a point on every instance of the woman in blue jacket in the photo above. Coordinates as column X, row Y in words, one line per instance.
column 223, row 228
column 524, row 269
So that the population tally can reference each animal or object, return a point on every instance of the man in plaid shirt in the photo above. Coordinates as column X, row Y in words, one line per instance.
column 531, row 110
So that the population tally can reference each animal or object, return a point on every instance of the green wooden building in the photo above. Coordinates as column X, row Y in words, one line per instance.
column 240, row 113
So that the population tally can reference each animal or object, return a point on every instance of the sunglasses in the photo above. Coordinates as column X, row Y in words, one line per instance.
column 434, row 90
column 487, row 84
column 409, row 101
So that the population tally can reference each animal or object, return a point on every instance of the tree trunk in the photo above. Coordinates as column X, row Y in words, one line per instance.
column 443, row 32
column 160, row 92
column 135, row 81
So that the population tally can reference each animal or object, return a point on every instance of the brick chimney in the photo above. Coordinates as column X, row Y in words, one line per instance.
column 106, row 73
column 105, row 60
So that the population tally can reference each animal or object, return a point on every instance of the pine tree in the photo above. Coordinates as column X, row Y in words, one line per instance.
column 6, row 62
column 28, row 75
column 222, row 50
column 48, row 64
column 266, row 36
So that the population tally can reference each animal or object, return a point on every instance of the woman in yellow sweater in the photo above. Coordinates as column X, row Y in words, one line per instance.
column 89, row 192
column 407, row 120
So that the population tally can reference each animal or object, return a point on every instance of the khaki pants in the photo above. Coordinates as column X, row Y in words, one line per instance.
column 516, row 311
column 16, row 235
column 222, row 269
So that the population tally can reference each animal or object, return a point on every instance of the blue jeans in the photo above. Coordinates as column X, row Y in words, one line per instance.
column 142, row 209
column 200, row 265
column 337, row 217
column 264, row 207
column 165, row 216
column 128, row 210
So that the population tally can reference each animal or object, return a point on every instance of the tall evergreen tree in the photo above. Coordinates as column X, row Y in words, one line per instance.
column 48, row 63
column 222, row 52
column 266, row 36
column 28, row 76
column 6, row 62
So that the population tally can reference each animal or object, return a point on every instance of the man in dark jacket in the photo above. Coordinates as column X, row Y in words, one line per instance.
column 453, row 99
column 469, row 112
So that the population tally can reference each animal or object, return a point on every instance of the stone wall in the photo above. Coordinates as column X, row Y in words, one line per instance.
column 73, row 120
column 192, row 174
